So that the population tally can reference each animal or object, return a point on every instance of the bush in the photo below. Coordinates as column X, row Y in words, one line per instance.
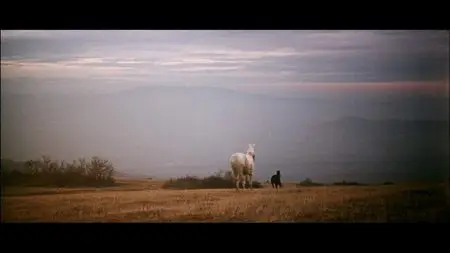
column 97, row 173
column 308, row 182
column 347, row 183
column 221, row 180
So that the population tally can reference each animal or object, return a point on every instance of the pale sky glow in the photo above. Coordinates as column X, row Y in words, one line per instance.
column 230, row 59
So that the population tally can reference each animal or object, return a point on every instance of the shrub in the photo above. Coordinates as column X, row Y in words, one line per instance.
column 45, row 172
column 220, row 180
column 347, row 183
column 308, row 182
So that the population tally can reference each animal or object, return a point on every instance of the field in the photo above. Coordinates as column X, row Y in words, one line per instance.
column 146, row 201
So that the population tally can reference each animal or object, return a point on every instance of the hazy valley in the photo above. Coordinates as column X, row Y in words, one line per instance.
column 170, row 131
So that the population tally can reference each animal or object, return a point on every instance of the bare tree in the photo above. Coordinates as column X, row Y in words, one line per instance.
column 83, row 168
column 31, row 167
column 54, row 167
column 46, row 162
column 100, row 169
column 63, row 166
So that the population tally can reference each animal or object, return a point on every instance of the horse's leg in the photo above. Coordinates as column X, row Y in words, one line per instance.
column 244, row 177
column 250, row 181
column 237, row 182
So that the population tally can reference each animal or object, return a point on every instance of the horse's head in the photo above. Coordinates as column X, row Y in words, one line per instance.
column 251, row 150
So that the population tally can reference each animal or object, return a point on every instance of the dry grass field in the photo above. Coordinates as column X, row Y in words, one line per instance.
column 146, row 201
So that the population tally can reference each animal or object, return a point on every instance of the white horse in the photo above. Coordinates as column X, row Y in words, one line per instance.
column 242, row 166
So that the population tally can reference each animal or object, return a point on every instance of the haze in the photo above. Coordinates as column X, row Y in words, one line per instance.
column 329, row 105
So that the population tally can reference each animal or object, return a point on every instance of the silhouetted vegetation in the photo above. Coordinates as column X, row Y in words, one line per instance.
column 308, row 182
column 45, row 172
column 347, row 183
column 388, row 183
column 220, row 180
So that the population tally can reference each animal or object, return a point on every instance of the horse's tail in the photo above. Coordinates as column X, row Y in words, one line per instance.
column 233, row 160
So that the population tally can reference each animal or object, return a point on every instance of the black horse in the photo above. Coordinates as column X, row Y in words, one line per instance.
column 275, row 180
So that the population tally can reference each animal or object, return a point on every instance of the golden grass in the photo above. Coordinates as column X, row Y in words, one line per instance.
column 143, row 201
column 123, row 185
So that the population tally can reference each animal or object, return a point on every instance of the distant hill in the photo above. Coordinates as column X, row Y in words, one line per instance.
column 192, row 130
column 353, row 148
column 381, row 138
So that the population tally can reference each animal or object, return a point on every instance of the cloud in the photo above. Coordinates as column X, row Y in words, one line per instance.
column 77, row 68
column 243, row 58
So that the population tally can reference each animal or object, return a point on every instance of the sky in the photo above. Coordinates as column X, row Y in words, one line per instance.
column 277, row 62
